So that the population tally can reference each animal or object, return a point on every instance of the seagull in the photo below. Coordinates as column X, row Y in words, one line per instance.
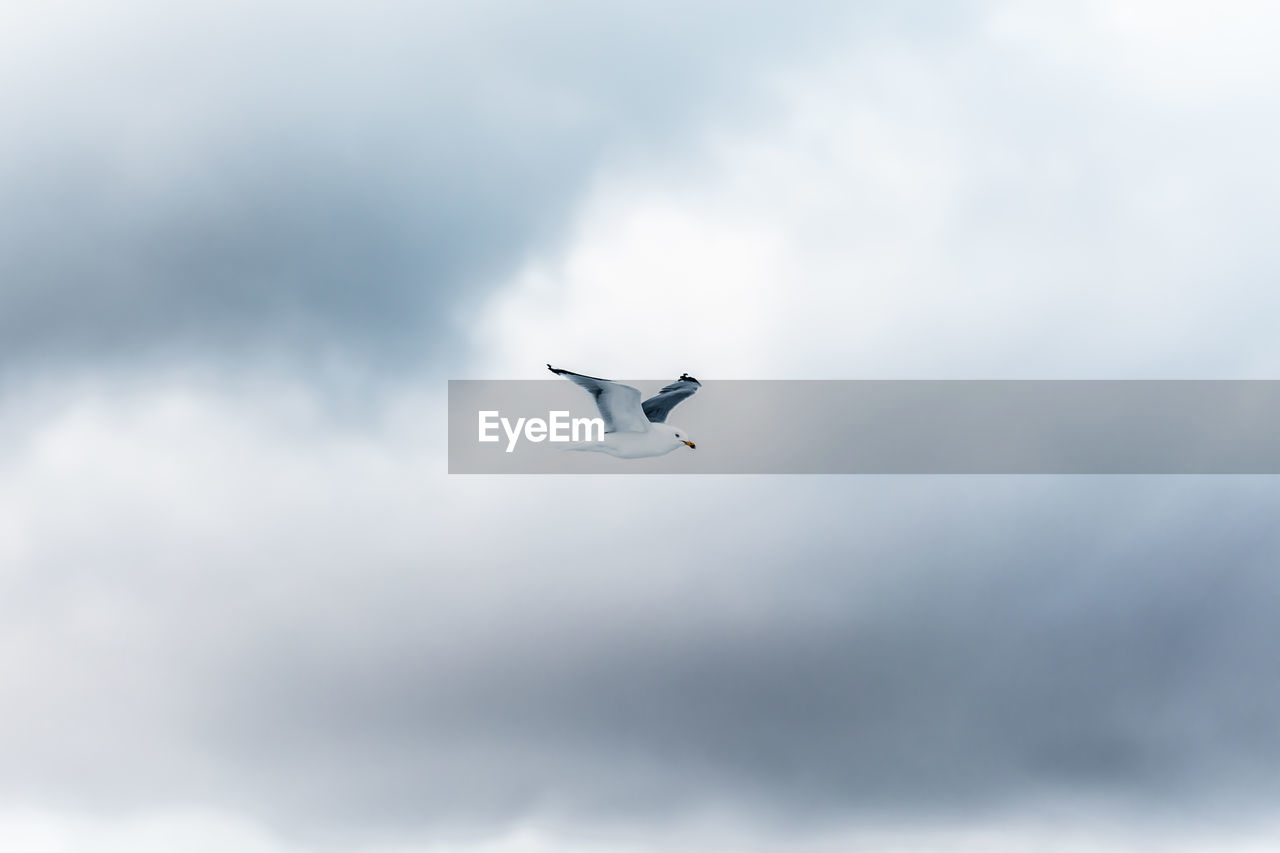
column 634, row 430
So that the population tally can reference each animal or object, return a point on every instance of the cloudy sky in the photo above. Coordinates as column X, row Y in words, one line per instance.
column 243, row 607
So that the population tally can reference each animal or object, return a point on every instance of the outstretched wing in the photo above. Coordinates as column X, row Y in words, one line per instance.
column 619, row 404
column 658, row 407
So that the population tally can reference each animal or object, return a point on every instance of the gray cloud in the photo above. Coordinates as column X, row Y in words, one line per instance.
column 223, row 598
column 825, row 673
column 800, row 654
column 247, row 180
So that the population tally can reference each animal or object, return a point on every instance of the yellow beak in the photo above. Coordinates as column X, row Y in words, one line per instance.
column 692, row 446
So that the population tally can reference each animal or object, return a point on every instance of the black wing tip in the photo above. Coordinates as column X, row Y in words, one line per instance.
column 560, row 371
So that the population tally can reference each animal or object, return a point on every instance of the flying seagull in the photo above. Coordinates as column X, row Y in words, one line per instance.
column 634, row 430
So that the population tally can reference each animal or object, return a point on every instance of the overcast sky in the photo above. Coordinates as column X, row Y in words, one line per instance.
column 242, row 606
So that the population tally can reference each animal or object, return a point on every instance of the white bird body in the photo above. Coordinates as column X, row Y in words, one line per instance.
column 633, row 430
column 658, row 441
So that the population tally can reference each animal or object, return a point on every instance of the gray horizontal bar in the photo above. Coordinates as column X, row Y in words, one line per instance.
column 903, row 427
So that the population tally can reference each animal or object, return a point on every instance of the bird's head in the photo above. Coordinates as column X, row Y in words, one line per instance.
column 680, row 436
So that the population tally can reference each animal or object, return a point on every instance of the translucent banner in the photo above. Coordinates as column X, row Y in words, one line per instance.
column 873, row 427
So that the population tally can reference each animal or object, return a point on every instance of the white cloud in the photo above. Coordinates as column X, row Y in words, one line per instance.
column 651, row 286
column 997, row 206
column 189, row 831
column 204, row 831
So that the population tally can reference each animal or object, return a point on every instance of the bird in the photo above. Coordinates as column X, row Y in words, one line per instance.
column 632, row 429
